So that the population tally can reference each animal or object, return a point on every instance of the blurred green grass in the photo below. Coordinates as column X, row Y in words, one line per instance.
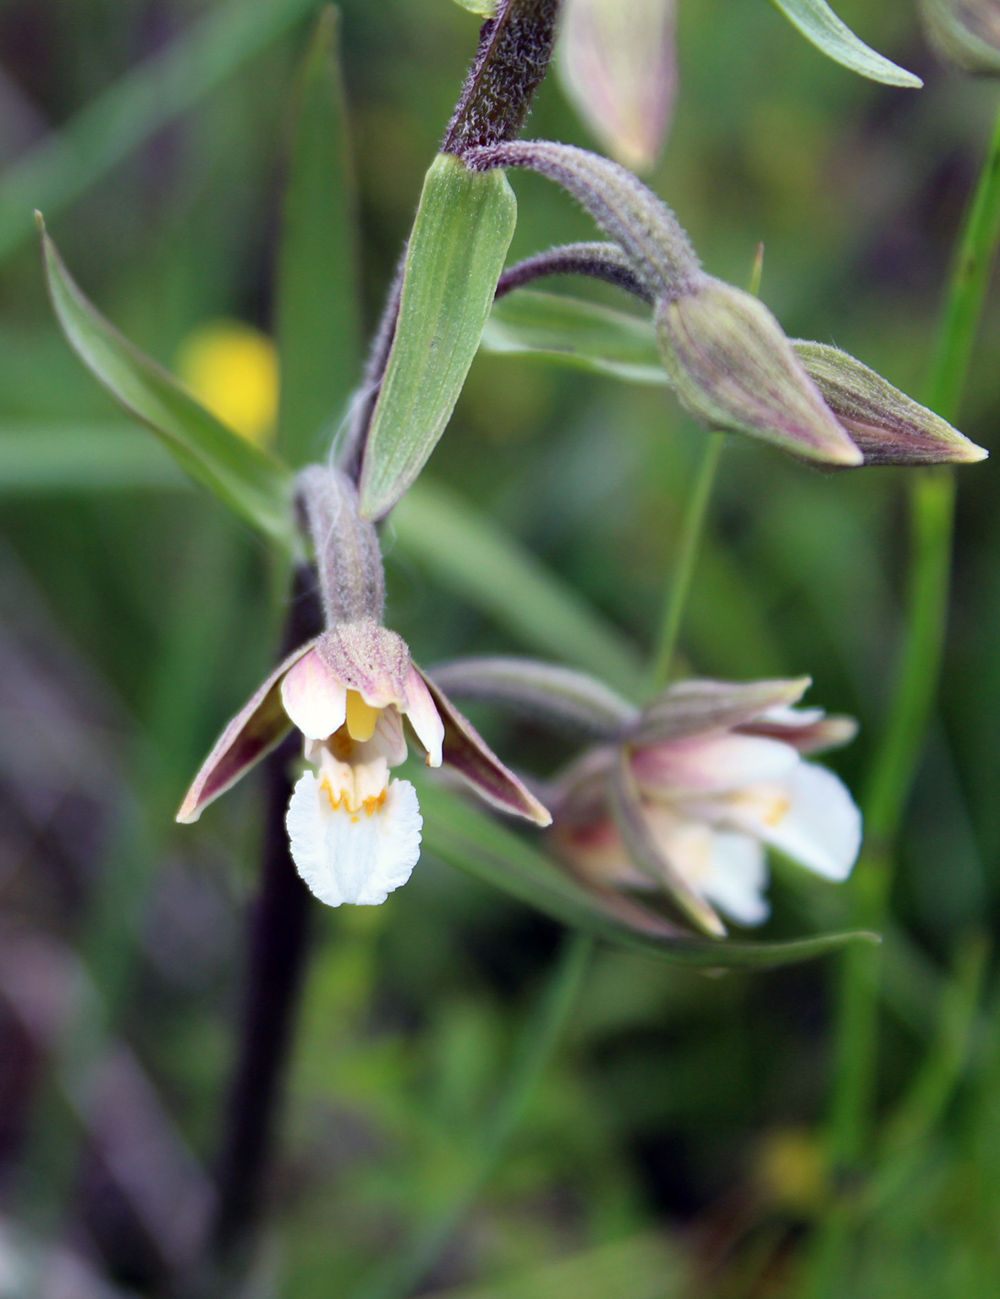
column 672, row 1084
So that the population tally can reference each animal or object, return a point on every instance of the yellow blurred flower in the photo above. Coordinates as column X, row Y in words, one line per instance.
column 791, row 1170
column 233, row 369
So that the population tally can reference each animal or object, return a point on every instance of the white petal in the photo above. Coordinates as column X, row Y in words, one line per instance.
column 424, row 717
column 821, row 828
column 388, row 742
column 356, row 858
column 784, row 715
column 728, row 870
column 738, row 878
column 711, row 764
column 314, row 700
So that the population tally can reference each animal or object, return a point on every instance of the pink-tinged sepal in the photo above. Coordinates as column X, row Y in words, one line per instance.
column 696, row 706
column 255, row 730
column 465, row 750
column 423, row 715
column 808, row 730
column 367, row 657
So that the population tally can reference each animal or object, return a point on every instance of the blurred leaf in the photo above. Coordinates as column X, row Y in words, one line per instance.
column 83, row 457
column 820, row 25
column 65, row 164
column 465, row 838
column 469, row 554
column 319, row 316
column 250, row 481
column 460, row 238
column 485, row 8
column 575, row 332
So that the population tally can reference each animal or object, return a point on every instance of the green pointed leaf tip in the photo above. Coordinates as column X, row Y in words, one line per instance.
column 485, row 8
column 459, row 243
column 246, row 479
column 820, row 25
column 468, row 840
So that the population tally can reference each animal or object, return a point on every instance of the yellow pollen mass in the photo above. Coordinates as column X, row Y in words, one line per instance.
column 361, row 718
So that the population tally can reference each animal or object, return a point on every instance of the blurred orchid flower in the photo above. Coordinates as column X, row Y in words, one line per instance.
column 686, row 795
column 618, row 67
column 965, row 32
column 354, row 833
column 712, row 776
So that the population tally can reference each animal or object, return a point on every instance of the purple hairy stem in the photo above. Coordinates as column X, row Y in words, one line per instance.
column 597, row 261
column 515, row 49
column 625, row 209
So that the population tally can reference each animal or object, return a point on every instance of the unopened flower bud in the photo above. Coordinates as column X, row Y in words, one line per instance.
column 733, row 368
column 965, row 32
column 889, row 427
column 618, row 66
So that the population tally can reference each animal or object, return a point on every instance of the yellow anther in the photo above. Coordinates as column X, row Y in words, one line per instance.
column 361, row 717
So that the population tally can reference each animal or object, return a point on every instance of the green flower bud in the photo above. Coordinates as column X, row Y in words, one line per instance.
column 733, row 368
column 889, row 427
column 965, row 32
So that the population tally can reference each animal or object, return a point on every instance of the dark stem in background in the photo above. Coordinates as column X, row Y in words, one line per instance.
column 276, row 961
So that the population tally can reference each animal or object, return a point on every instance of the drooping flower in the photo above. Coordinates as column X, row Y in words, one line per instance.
column 685, row 796
column 353, row 693
column 713, row 777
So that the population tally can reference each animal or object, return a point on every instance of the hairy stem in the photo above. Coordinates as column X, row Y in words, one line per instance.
column 932, row 507
column 597, row 261
column 414, row 1258
column 515, row 49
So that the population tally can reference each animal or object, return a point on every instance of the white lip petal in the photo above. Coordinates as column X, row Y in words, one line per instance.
column 711, row 764
column 359, row 858
column 314, row 700
column 424, row 717
column 821, row 828
column 738, row 878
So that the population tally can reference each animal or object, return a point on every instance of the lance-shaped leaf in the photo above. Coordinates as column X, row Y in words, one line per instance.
column 463, row 229
column 465, row 838
column 819, row 24
column 693, row 707
column 467, row 753
column 645, row 852
column 543, row 692
column 554, row 326
column 319, row 317
column 250, row 481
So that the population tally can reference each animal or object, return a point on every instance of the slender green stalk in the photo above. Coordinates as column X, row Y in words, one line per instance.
column 409, row 1264
column 932, row 506
column 692, row 531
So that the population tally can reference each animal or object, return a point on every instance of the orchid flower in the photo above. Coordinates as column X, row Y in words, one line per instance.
column 685, row 796
column 354, row 693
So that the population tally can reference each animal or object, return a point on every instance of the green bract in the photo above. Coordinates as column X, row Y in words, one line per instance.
column 463, row 229
column 485, row 8
column 250, row 481
column 819, row 24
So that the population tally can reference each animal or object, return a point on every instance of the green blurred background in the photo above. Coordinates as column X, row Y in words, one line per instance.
column 674, row 1148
